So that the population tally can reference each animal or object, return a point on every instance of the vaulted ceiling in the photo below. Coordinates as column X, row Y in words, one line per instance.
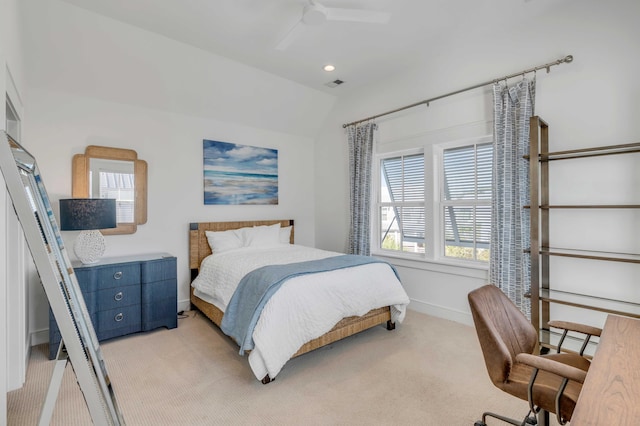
column 252, row 32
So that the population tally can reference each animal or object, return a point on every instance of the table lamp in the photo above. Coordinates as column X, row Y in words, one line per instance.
column 88, row 215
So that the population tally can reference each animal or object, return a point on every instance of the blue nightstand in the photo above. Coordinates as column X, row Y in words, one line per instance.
column 125, row 295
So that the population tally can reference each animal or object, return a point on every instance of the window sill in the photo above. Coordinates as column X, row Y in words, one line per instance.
column 466, row 269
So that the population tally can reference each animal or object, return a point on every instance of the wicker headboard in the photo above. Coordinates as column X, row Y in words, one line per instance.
column 199, row 246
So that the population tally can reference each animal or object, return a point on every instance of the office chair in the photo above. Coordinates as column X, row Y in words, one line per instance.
column 550, row 383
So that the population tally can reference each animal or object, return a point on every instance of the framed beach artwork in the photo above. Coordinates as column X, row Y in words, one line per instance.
column 239, row 174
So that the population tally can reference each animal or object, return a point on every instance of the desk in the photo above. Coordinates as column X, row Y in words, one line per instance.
column 611, row 392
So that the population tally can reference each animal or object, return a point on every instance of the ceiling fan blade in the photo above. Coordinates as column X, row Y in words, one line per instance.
column 357, row 15
column 289, row 38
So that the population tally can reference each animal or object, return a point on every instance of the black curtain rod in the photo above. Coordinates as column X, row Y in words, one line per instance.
column 567, row 59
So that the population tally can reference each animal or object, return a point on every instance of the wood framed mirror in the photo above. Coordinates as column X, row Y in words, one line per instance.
column 104, row 172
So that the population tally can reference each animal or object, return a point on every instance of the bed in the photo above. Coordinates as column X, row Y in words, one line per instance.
column 200, row 256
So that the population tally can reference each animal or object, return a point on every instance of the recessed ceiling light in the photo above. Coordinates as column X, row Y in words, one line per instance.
column 329, row 68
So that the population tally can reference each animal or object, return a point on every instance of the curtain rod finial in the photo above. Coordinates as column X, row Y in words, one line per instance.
column 568, row 58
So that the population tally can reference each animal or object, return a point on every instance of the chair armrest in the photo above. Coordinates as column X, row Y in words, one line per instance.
column 572, row 326
column 555, row 367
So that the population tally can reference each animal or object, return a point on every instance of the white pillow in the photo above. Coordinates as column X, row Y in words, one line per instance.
column 285, row 235
column 262, row 236
column 220, row 241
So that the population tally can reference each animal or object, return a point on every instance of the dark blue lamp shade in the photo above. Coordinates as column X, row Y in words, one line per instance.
column 79, row 214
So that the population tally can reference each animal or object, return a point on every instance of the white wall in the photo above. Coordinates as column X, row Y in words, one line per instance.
column 590, row 102
column 76, row 51
column 11, row 73
column 171, row 144
column 97, row 81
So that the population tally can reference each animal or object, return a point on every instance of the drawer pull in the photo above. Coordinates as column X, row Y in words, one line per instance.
column 119, row 317
column 118, row 297
column 117, row 275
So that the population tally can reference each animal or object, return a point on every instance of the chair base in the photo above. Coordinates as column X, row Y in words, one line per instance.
column 529, row 419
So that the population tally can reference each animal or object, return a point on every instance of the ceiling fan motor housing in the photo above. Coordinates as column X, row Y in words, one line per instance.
column 314, row 14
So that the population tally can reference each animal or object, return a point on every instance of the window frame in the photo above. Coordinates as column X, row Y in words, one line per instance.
column 377, row 206
column 434, row 250
column 439, row 202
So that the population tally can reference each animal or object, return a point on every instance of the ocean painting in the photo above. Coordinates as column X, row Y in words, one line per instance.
column 239, row 174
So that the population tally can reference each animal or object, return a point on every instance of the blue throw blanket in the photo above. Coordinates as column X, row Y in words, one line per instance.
column 257, row 287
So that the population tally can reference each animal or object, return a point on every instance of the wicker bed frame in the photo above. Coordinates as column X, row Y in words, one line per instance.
column 199, row 249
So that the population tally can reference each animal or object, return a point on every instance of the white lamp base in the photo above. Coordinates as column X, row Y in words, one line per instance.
column 89, row 246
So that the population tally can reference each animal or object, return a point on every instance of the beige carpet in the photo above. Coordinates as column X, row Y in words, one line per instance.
column 428, row 371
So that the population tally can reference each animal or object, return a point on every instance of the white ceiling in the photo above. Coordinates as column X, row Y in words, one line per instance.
column 247, row 31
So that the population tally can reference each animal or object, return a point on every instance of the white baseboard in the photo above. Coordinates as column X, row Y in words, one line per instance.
column 441, row 312
column 184, row 305
column 39, row 337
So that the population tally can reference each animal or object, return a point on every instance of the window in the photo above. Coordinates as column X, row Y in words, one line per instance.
column 465, row 201
column 120, row 186
column 455, row 222
column 114, row 179
column 401, row 207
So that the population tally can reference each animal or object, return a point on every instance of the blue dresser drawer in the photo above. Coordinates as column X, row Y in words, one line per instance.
column 118, row 275
column 86, row 279
column 159, row 270
column 127, row 317
column 159, row 305
column 115, row 297
column 152, row 292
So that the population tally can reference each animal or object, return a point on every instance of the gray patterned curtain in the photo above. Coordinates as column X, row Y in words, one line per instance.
column 509, row 266
column 360, row 155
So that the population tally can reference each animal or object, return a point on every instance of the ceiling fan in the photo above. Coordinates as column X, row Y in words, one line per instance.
column 315, row 13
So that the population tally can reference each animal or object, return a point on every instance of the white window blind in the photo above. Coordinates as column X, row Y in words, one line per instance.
column 120, row 186
column 401, row 216
column 466, row 201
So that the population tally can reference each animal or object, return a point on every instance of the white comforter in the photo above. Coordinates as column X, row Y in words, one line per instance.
column 305, row 307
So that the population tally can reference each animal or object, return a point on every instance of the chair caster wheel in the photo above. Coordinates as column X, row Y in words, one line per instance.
column 479, row 423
